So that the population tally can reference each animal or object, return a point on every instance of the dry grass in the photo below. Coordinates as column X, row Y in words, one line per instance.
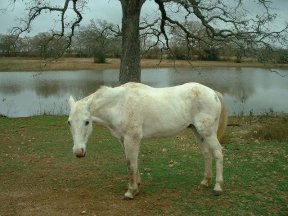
column 32, row 64
column 36, row 64
column 273, row 128
column 257, row 129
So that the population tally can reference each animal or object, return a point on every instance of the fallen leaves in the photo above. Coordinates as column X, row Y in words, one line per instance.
column 172, row 163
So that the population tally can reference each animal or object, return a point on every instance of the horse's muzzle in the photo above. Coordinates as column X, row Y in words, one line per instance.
column 80, row 152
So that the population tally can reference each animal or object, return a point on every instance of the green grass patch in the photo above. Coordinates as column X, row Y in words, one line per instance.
column 36, row 160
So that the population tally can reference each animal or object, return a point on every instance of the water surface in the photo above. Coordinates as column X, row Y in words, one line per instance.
column 246, row 90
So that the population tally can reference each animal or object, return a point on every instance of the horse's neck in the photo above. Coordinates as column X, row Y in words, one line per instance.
column 104, row 102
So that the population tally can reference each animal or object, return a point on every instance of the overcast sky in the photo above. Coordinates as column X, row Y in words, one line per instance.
column 109, row 10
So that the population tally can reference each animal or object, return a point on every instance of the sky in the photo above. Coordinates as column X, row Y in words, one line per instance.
column 109, row 10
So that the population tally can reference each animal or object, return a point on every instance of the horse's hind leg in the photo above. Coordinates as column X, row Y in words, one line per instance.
column 216, row 150
column 131, row 146
column 207, row 160
column 207, row 130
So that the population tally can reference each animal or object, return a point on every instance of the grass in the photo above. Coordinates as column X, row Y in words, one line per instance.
column 36, row 64
column 40, row 176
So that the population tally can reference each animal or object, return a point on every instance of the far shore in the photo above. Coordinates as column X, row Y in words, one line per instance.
column 33, row 64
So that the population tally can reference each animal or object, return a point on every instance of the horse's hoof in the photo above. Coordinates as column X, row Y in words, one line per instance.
column 128, row 196
column 205, row 182
column 217, row 193
column 204, row 185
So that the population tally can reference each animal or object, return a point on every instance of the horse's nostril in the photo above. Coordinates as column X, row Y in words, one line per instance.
column 80, row 152
column 79, row 156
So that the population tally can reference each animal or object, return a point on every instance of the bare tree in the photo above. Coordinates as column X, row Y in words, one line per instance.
column 44, row 45
column 130, row 57
column 67, row 26
column 222, row 20
column 95, row 39
column 7, row 45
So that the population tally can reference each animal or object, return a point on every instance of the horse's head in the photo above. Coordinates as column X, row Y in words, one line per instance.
column 80, row 123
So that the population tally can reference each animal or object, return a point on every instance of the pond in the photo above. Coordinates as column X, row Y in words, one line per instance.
column 246, row 90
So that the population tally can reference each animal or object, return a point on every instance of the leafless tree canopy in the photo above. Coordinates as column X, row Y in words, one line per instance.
column 222, row 21
column 67, row 28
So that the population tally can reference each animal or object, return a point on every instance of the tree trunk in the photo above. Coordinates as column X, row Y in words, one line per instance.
column 130, row 58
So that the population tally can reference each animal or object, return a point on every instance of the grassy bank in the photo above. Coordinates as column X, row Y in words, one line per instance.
column 32, row 64
column 40, row 176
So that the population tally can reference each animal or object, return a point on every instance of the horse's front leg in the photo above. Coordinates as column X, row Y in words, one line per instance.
column 131, row 147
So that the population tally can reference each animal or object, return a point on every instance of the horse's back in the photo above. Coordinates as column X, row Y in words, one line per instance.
column 190, row 92
column 179, row 90
column 163, row 111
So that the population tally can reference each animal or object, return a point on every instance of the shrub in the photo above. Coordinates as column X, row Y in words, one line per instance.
column 99, row 56
column 271, row 128
column 283, row 58
column 210, row 54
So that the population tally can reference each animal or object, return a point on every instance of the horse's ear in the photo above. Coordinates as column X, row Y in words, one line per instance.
column 71, row 101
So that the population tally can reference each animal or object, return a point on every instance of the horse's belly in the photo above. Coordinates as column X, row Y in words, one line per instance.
column 160, row 119
column 165, row 128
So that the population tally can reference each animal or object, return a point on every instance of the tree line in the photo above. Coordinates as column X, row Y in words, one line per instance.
column 186, row 29
column 102, row 40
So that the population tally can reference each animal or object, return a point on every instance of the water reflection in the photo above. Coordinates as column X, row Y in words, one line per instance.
column 246, row 89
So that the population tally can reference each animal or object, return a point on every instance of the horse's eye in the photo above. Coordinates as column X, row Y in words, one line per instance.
column 86, row 123
column 69, row 123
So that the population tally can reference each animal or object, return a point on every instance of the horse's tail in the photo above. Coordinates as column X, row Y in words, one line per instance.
column 223, row 117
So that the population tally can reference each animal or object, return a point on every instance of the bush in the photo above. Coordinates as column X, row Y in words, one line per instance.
column 179, row 53
column 210, row 54
column 99, row 56
column 271, row 128
column 282, row 57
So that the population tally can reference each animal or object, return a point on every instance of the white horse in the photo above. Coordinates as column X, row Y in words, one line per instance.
column 134, row 111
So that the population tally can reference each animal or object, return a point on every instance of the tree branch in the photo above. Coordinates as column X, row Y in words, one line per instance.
column 233, row 25
column 38, row 9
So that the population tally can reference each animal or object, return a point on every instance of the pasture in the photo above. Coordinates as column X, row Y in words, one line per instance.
column 39, row 174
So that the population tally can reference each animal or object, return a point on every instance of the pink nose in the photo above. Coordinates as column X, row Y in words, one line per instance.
column 80, row 152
